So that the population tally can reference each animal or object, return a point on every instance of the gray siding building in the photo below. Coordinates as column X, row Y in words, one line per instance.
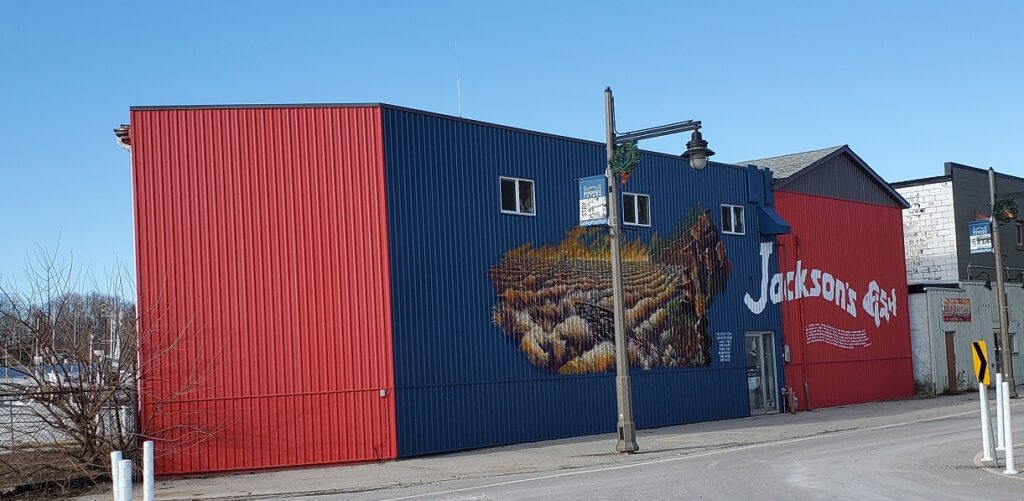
column 952, row 297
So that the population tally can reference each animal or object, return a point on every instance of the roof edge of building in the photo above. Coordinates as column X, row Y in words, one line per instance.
column 921, row 181
column 948, row 166
column 408, row 110
column 166, row 107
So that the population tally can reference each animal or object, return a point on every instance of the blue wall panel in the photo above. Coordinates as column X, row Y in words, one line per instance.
column 461, row 382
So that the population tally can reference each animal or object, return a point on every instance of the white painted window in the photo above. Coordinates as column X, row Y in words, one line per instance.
column 733, row 221
column 517, row 196
column 636, row 209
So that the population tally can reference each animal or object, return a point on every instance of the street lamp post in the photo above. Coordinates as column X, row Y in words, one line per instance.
column 697, row 154
column 1004, row 339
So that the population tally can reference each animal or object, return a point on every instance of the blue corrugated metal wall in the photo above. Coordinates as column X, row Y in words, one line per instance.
column 463, row 383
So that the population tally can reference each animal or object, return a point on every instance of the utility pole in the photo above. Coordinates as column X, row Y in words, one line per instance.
column 1004, row 338
column 115, row 343
column 623, row 390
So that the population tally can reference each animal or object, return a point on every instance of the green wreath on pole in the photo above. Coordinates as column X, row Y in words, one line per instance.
column 1005, row 210
column 624, row 160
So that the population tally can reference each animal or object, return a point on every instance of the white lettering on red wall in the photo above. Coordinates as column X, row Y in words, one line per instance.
column 806, row 283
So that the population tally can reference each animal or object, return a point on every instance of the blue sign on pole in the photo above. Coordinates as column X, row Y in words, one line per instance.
column 981, row 236
column 593, row 200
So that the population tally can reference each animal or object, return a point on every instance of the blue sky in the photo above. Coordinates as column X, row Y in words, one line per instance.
column 909, row 85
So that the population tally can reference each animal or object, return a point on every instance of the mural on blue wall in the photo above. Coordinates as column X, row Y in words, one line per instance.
column 555, row 300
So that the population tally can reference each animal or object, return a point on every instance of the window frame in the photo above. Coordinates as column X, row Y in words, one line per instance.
column 1020, row 234
column 998, row 350
column 732, row 219
column 636, row 209
column 518, row 211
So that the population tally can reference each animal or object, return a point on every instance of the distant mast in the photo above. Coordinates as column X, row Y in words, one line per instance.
column 458, row 80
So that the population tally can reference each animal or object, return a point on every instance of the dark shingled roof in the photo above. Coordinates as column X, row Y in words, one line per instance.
column 784, row 166
column 791, row 169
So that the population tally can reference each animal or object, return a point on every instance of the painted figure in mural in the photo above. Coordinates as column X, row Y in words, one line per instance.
column 556, row 301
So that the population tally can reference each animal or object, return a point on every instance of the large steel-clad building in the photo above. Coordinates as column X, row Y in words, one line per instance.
column 331, row 283
column 842, row 281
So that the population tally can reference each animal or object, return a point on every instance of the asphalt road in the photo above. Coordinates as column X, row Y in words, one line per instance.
column 931, row 458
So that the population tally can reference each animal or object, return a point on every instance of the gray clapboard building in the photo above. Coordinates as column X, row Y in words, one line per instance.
column 952, row 291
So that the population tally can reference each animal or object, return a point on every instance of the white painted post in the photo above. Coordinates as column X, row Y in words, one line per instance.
column 125, row 477
column 999, row 412
column 986, row 424
column 148, row 489
column 115, row 467
column 1008, row 431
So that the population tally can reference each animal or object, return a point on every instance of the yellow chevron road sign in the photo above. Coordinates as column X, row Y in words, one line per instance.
column 980, row 361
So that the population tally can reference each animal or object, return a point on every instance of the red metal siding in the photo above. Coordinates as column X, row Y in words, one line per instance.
column 263, row 277
column 843, row 358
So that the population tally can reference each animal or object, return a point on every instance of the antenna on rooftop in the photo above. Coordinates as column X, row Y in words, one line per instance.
column 458, row 79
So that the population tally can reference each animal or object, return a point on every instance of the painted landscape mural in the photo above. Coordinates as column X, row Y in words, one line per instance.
column 555, row 300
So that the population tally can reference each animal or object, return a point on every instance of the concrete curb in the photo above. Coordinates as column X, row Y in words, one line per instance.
column 996, row 470
column 565, row 456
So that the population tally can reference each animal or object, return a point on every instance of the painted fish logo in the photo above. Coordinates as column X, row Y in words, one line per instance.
column 879, row 304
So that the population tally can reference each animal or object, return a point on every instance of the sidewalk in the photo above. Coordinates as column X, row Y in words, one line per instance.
column 580, row 452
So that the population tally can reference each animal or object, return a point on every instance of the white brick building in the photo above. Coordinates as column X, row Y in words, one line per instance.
column 930, row 232
column 943, row 274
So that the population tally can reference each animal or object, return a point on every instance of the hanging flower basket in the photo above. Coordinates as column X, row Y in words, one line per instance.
column 625, row 160
column 1005, row 210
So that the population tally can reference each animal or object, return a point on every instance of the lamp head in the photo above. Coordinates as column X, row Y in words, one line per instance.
column 697, row 151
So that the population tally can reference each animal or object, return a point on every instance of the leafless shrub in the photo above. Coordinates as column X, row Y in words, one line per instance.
column 69, row 390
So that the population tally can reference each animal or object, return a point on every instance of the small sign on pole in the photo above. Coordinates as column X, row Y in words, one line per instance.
column 980, row 362
column 594, row 200
column 981, row 236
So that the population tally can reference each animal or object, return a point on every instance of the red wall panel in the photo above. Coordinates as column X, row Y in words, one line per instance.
column 860, row 351
column 263, row 283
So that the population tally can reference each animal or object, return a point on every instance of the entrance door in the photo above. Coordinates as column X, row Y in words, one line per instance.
column 761, row 384
column 952, row 386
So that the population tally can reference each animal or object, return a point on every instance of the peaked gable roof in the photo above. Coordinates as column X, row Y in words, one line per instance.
column 790, row 169
column 784, row 166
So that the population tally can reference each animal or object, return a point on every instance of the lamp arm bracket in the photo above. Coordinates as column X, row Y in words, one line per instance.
column 661, row 130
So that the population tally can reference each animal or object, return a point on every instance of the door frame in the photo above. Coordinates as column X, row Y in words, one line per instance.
column 765, row 390
column 952, row 385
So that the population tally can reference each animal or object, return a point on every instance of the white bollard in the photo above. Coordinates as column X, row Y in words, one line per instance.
column 1008, row 431
column 125, row 477
column 148, row 489
column 999, row 412
column 986, row 424
column 115, row 466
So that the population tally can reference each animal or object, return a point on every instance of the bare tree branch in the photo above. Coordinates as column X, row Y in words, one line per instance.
column 70, row 387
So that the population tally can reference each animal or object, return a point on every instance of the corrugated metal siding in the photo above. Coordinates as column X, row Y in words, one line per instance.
column 920, row 343
column 841, row 178
column 984, row 323
column 263, row 286
column 460, row 381
column 857, row 243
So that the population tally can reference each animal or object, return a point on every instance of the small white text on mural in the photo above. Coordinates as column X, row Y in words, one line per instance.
column 724, row 340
